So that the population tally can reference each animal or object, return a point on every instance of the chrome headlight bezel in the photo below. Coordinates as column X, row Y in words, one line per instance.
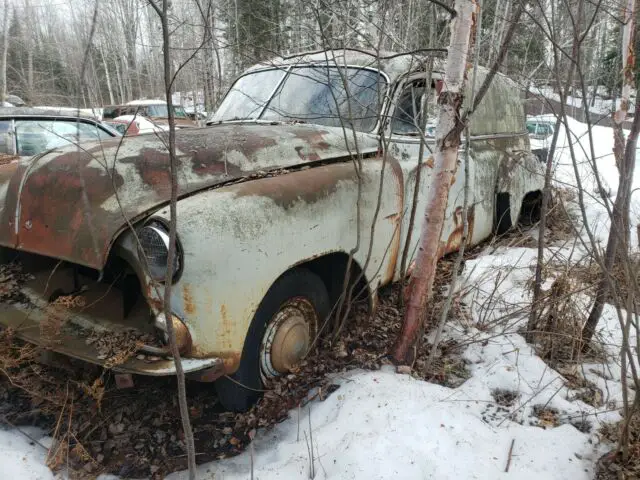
column 153, row 250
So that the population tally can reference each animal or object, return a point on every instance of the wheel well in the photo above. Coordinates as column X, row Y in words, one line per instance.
column 331, row 268
column 530, row 210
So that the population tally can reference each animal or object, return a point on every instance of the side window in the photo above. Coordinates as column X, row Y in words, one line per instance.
column 71, row 131
column 6, row 138
column 408, row 115
column 33, row 136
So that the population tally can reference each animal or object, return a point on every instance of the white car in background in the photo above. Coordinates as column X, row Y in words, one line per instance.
column 135, row 125
column 540, row 135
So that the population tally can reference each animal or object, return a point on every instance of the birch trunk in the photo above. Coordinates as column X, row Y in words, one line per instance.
column 448, row 133
column 5, row 50
column 107, row 76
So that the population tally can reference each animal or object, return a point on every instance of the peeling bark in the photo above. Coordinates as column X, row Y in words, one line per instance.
column 448, row 132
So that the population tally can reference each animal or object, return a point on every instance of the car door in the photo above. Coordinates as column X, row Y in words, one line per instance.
column 403, row 138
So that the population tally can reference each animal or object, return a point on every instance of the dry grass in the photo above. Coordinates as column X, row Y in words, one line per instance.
column 612, row 466
column 557, row 333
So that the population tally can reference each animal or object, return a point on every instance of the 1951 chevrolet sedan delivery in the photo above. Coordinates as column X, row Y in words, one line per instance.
column 307, row 160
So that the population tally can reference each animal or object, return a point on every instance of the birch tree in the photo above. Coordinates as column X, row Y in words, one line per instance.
column 5, row 50
column 448, row 134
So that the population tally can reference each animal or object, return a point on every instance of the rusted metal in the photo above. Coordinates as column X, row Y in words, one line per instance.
column 210, row 374
column 71, row 203
column 454, row 241
column 25, row 320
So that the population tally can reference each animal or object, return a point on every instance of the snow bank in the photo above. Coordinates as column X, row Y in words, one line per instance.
column 380, row 425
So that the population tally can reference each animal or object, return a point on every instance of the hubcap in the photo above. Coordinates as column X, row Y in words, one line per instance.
column 288, row 337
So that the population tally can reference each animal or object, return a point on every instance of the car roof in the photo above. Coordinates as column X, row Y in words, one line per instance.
column 146, row 102
column 130, row 118
column 14, row 112
column 391, row 64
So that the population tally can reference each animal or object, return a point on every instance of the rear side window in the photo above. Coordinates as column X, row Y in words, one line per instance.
column 408, row 115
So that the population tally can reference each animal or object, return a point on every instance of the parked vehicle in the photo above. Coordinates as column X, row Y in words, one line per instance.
column 540, row 134
column 155, row 110
column 135, row 125
column 30, row 131
column 295, row 173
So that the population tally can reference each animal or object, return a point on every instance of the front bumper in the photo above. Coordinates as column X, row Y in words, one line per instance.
column 25, row 319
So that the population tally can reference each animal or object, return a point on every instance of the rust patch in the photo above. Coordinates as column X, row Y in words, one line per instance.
column 308, row 186
column 187, row 299
column 226, row 325
column 312, row 136
column 153, row 168
column 311, row 157
column 394, row 248
column 231, row 361
column 57, row 217
column 454, row 241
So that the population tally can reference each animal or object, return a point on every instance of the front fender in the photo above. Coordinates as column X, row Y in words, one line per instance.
column 238, row 239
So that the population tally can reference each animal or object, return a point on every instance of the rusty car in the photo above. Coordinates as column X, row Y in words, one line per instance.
column 309, row 165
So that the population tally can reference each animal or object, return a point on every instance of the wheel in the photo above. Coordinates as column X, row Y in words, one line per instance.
column 503, row 214
column 279, row 337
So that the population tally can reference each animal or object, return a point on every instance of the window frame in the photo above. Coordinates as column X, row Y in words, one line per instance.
column 288, row 68
column 72, row 120
column 401, row 85
column 12, row 136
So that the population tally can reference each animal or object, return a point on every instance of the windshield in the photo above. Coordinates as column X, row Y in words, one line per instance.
column 312, row 94
column 163, row 111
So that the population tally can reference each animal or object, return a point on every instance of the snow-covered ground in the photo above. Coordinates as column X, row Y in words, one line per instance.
column 600, row 105
column 382, row 425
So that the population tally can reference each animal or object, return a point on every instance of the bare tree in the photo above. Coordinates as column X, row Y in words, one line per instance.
column 5, row 48
column 625, row 155
column 162, row 9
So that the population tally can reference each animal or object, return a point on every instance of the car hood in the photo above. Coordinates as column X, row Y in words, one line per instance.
column 71, row 203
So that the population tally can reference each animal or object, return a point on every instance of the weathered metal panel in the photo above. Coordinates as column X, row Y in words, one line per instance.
column 72, row 202
column 238, row 239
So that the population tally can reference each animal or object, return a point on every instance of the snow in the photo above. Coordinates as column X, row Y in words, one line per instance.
column 600, row 105
column 381, row 425
column 21, row 458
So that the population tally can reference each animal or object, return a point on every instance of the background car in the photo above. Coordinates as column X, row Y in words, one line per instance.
column 135, row 125
column 540, row 134
column 155, row 110
column 29, row 131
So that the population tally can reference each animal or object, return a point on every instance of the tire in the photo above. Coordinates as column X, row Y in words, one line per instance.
column 297, row 285
column 503, row 214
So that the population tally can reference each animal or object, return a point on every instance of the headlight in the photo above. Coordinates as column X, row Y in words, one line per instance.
column 154, row 243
